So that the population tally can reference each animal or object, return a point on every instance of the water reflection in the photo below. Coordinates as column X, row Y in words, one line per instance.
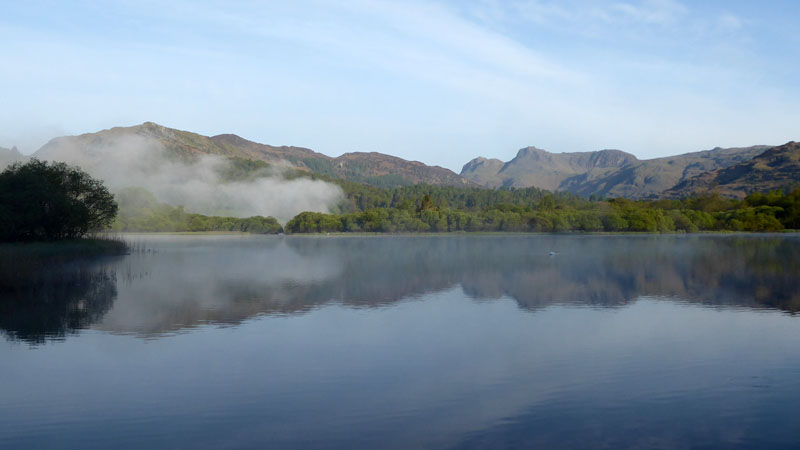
column 186, row 281
column 69, row 297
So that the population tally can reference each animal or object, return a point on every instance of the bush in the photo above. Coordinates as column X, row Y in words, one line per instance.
column 52, row 201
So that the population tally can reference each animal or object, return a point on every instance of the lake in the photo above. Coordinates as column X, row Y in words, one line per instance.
column 484, row 342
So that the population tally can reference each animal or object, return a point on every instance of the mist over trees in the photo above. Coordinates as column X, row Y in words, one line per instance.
column 428, row 208
column 140, row 210
column 48, row 201
column 209, row 184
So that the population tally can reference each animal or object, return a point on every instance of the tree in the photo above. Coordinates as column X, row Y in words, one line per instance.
column 50, row 201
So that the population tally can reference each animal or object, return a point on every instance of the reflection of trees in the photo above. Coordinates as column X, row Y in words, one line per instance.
column 588, row 270
column 607, row 271
column 228, row 282
column 67, row 298
column 305, row 272
column 747, row 272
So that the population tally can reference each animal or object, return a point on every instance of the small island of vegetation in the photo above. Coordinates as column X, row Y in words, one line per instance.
column 47, row 210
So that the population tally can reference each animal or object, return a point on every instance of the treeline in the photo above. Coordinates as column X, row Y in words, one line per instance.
column 447, row 209
column 139, row 210
column 427, row 208
column 361, row 197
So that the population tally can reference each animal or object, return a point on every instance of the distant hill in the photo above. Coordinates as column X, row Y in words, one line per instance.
column 606, row 173
column 539, row 168
column 650, row 178
column 9, row 156
column 372, row 168
column 775, row 168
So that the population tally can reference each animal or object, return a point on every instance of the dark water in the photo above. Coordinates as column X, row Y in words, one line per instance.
column 412, row 342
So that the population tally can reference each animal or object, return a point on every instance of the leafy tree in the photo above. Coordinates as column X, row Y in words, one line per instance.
column 682, row 221
column 613, row 221
column 51, row 201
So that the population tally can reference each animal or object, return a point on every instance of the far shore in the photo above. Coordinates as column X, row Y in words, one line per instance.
column 454, row 233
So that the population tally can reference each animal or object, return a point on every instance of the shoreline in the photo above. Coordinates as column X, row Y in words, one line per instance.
column 456, row 233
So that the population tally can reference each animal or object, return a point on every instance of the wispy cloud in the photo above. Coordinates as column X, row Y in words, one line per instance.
column 437, row 81
column 729, row 21
column 652, row 11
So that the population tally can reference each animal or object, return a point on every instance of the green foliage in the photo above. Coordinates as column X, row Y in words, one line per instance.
column 51, row 201
column 425, row 208
column 240, row 169
column 445, row 209
column 318, row 165
column 759, row 218
column 399, row 207
column 428, row 208
column 141, row 211
column 313, row 222
column 360, row 197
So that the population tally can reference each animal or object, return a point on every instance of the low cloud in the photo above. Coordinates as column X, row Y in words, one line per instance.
column 140, row 161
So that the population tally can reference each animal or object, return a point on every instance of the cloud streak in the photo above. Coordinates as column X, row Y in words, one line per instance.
column 438, row 82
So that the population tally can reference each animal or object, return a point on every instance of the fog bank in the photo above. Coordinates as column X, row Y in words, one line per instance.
column 140, row 161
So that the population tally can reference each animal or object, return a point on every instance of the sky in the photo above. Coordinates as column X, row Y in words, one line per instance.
column 438, row 82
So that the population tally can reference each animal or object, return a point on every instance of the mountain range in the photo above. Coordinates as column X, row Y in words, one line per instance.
column 775, row 168
column 370, row 168
column 603, row 173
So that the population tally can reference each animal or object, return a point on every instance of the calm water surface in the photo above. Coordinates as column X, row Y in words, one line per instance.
column 412, row 342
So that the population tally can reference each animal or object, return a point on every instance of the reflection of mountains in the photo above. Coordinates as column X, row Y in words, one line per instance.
column 232, row 283
column 614, row 270
column 191, row 281
column 588, row 270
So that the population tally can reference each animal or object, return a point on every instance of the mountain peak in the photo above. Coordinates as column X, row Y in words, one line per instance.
column 149, row 126
column 9, row 156
column 480, row 161
column 371, row 168
column 776, row 168
column 483, row 171
column 610, row 158
column 232, row 139
column 607, row 172
column 531, row 150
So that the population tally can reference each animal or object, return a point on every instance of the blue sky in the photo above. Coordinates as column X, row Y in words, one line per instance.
column 438, row 82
